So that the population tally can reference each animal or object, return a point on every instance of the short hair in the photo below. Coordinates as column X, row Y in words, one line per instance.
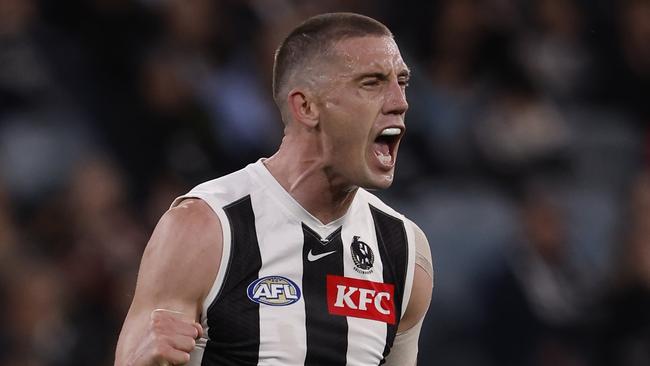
column 315, row 37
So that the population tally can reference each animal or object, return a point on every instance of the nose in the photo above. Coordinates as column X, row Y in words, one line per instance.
column 395, row 102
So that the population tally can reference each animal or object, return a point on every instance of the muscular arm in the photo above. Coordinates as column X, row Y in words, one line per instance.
column 405, row 348
column 178, row 267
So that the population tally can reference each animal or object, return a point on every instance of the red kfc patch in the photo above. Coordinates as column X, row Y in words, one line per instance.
column 360, row 299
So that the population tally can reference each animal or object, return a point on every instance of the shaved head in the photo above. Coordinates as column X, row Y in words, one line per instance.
column 311, row 42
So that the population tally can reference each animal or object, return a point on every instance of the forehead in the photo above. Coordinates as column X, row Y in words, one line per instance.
column 361, row 54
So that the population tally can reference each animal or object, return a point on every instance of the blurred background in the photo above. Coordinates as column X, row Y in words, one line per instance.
column 525, row 162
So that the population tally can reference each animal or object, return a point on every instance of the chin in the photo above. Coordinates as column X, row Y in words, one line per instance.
column 387, row 182
column 379, row 181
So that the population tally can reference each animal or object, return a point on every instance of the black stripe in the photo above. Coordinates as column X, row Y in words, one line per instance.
column 393, row 249
column 327, row 335
column 233, row 318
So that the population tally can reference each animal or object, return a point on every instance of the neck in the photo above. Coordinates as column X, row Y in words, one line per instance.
column 301, row 169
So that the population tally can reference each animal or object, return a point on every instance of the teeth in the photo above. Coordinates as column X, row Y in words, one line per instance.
column 392, row 131
column 385, row 159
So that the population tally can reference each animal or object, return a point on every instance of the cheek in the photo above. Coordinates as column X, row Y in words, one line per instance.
column 348, row 120
column 332, row 103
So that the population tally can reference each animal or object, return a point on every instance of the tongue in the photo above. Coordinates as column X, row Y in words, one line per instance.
column 382, row 148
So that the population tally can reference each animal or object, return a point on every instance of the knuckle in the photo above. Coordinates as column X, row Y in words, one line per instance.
column 188, row 345
column 185, row 344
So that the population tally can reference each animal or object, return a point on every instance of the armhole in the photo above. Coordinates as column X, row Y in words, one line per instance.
column 410, row 267
column 225, row 252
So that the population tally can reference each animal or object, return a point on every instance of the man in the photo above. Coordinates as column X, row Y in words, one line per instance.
column 290, row 261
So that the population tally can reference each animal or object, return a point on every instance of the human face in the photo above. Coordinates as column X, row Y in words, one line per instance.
column 363, row 103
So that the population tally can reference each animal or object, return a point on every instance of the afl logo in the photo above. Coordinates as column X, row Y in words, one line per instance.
column 274, row 291
column 362, row 256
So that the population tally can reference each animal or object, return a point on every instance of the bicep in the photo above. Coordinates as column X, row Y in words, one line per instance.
column 177, row 269
column 422, row 283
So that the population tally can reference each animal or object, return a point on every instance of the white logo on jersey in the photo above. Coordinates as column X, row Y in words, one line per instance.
column 314, row 257
column 366, row 296
column 360, row 298
column 273, row 290
column 362, row 256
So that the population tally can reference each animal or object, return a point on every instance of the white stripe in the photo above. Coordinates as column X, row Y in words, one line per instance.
column 283, row 336
column 410, row 269
column 223, row 267
column 366, row 338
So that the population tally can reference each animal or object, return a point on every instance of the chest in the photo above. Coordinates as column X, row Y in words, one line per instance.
column 310, row 295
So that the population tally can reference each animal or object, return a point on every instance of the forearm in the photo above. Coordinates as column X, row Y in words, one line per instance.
column 405, row 347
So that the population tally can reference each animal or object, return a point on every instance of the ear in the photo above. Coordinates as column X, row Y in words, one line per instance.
column 302, row 108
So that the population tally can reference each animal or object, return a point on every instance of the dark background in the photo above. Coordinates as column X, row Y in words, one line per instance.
column 525, row 162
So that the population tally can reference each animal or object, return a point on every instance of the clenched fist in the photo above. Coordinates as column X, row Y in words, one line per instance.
column 169, row 339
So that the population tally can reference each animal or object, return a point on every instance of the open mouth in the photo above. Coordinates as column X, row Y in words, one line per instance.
column 385, row 146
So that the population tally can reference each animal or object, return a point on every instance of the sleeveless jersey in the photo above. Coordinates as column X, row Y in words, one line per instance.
column 293, row 291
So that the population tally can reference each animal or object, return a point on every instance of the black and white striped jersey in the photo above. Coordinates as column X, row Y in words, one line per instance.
column 292, row 291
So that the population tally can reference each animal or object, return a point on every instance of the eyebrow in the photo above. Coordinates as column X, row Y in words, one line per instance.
column 382, row 76
column 378, row 75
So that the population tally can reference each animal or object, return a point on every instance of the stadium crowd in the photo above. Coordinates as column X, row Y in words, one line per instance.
column 525, row 162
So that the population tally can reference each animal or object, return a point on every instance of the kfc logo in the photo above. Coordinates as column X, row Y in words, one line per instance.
column 360, row 299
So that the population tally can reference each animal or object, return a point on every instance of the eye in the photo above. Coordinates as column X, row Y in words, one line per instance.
column 370, row 82
column 403, row 82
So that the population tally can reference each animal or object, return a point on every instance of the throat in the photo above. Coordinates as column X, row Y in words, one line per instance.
column 314, row 187
column 327, row 200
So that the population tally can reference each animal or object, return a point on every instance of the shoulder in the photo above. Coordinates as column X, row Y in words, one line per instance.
column 422, row 280
column 221, row 191
column 423, row 257
column 419, row 234
column 184, row 250
column 191, row 219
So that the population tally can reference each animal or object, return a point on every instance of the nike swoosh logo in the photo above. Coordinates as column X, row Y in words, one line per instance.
column 311, row 257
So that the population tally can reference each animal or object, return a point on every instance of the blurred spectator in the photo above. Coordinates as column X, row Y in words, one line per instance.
column 178, row 130
column 624, row 335
column 108, row 239
column 445, row 97
column 556, row 58
column 625, row 58
column 634, row 23
column 533, row 300
column 9, row 235
column 237, row 95
column 36, row 285
column 520, row 134
column 43, row 130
